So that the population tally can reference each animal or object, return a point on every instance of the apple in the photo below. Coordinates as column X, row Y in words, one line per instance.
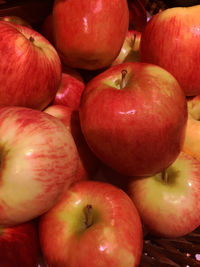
column 38, row 158
column 168, row 201
column 130, row 48
column 137, row 15
column 94, row 224
column 69, row 92
column 30, row 68
column 16, row 19
column 192, row 138
column 87, row 161
column 19, row 245
column 133, row 117
column 90, row 36
column 171, row 39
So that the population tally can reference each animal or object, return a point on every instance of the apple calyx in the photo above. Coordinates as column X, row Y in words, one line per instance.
column 88, row 211
column 165, row 176
column 31, row 39
column 123, row 79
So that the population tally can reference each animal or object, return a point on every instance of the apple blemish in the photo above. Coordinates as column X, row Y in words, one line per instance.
column 31, row 39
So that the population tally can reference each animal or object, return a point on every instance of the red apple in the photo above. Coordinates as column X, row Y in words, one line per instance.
column 94, row 224
column 16, row 19
column 130, row 48
column 171, row 39
column 38, row 158
column 90, row 36
column 30, row 68
column 19, row 245
column 69, row 92
column 87, row 161
column 133, row 117
column 168, row 202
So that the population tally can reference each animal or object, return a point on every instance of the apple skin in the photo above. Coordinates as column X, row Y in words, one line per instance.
column 192, row 137
column 174, row 34
column 91, row 35
column 19, row 245
column 38, row 158
column 169, row 209
column 16, row 19
column 138, row 130
column 69, row 92
column 130, row 48
column 30, row 68
column 114, row 238
column 87, row 161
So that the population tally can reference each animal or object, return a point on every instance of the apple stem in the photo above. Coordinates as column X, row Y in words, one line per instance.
column 88, row 211
column 165, row 176
column 31, row 39
column 123, row 80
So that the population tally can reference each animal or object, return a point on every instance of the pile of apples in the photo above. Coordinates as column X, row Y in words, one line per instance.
column 99, row 133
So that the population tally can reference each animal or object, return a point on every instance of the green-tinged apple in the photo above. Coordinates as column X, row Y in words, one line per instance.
column 69, row 92
column 130, row 48
column 87, row 161
column 16, row 19
column 168, row 202
column 19, row 245
column 133, row 117
column 192, row 138
column 89, row 35
column 94, row 224
column 38, row 158
column 171, row 39
column 30, row 68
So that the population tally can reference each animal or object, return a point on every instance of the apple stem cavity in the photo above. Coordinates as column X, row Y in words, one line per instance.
column 123, row 79
column 165, row 176
column 88, row 211
column 31, row 39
